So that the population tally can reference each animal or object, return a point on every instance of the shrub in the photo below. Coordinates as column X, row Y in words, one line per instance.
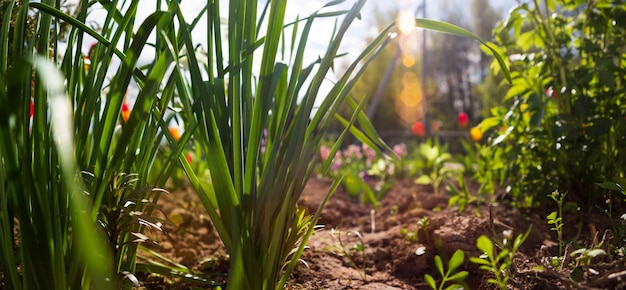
column 564, row 126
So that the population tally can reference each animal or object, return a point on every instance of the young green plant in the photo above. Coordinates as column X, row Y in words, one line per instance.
column 556, row 218
column 498, row 262
column 449, row 276
column 358, row 247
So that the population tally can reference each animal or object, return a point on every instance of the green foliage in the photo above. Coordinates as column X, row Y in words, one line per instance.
column 564, row 126
column 448, row 275
column 499, row 262
column 77, row 234
column 436, row 165
column 556, row 218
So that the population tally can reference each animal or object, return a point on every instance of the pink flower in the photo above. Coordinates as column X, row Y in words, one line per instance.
column 369, row 153
column 353, row 151
column 400, row 150
column 324, row 152
column 337, row 161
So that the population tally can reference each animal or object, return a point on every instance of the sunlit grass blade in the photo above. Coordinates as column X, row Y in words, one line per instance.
column 455, row 30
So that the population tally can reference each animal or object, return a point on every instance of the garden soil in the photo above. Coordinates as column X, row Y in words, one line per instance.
column 396, row 251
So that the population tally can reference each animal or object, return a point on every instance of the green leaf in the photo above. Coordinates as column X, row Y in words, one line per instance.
column 610, row 186
column 596, row 252
column 460, row 276
column 455, row 286
column 455, row 30
column 485, row 245
column 456, row 260
column 439, row 265
column 424, row 179
column 480, row 261
column 430, row 281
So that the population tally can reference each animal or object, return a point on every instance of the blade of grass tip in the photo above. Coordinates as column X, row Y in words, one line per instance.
column 456, row 30
column 305, row 238
column 95, row 252
column 368, row 129
column 328, row 59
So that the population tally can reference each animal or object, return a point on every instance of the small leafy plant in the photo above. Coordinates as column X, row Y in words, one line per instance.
column 435, row 167
column 584, row 256
column 498, row 262
column 449, row 276
column 556, row 218
column 359, row 247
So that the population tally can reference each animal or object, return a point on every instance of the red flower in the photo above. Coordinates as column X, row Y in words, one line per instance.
column 32, row 109
column 463, row 119
column 418, row 129
column 188, row 157
column 125, row 112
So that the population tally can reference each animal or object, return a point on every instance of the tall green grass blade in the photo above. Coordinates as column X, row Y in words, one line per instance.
column 455, row 30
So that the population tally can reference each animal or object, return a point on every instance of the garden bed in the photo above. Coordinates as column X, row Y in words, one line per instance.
column 391, row 237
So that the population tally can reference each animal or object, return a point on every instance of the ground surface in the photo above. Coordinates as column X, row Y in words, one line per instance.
column 391, row 236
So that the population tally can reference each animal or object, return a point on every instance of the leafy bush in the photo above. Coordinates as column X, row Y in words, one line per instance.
column 564, row 127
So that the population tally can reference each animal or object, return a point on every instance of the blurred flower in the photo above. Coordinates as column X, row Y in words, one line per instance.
column 125, row 111
column 418, row 129
column 550, row 92
column 436, row 126
column 337, row 161
column 32, row 109
column 463, row 119
column 476, row 134
column 324, row 152
column 364, row 175
column 175, row 133
column 391, row 169
column 353, row 151
column 369, row 153
column 86, row 63
column 188, row 157
column 400, row 150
